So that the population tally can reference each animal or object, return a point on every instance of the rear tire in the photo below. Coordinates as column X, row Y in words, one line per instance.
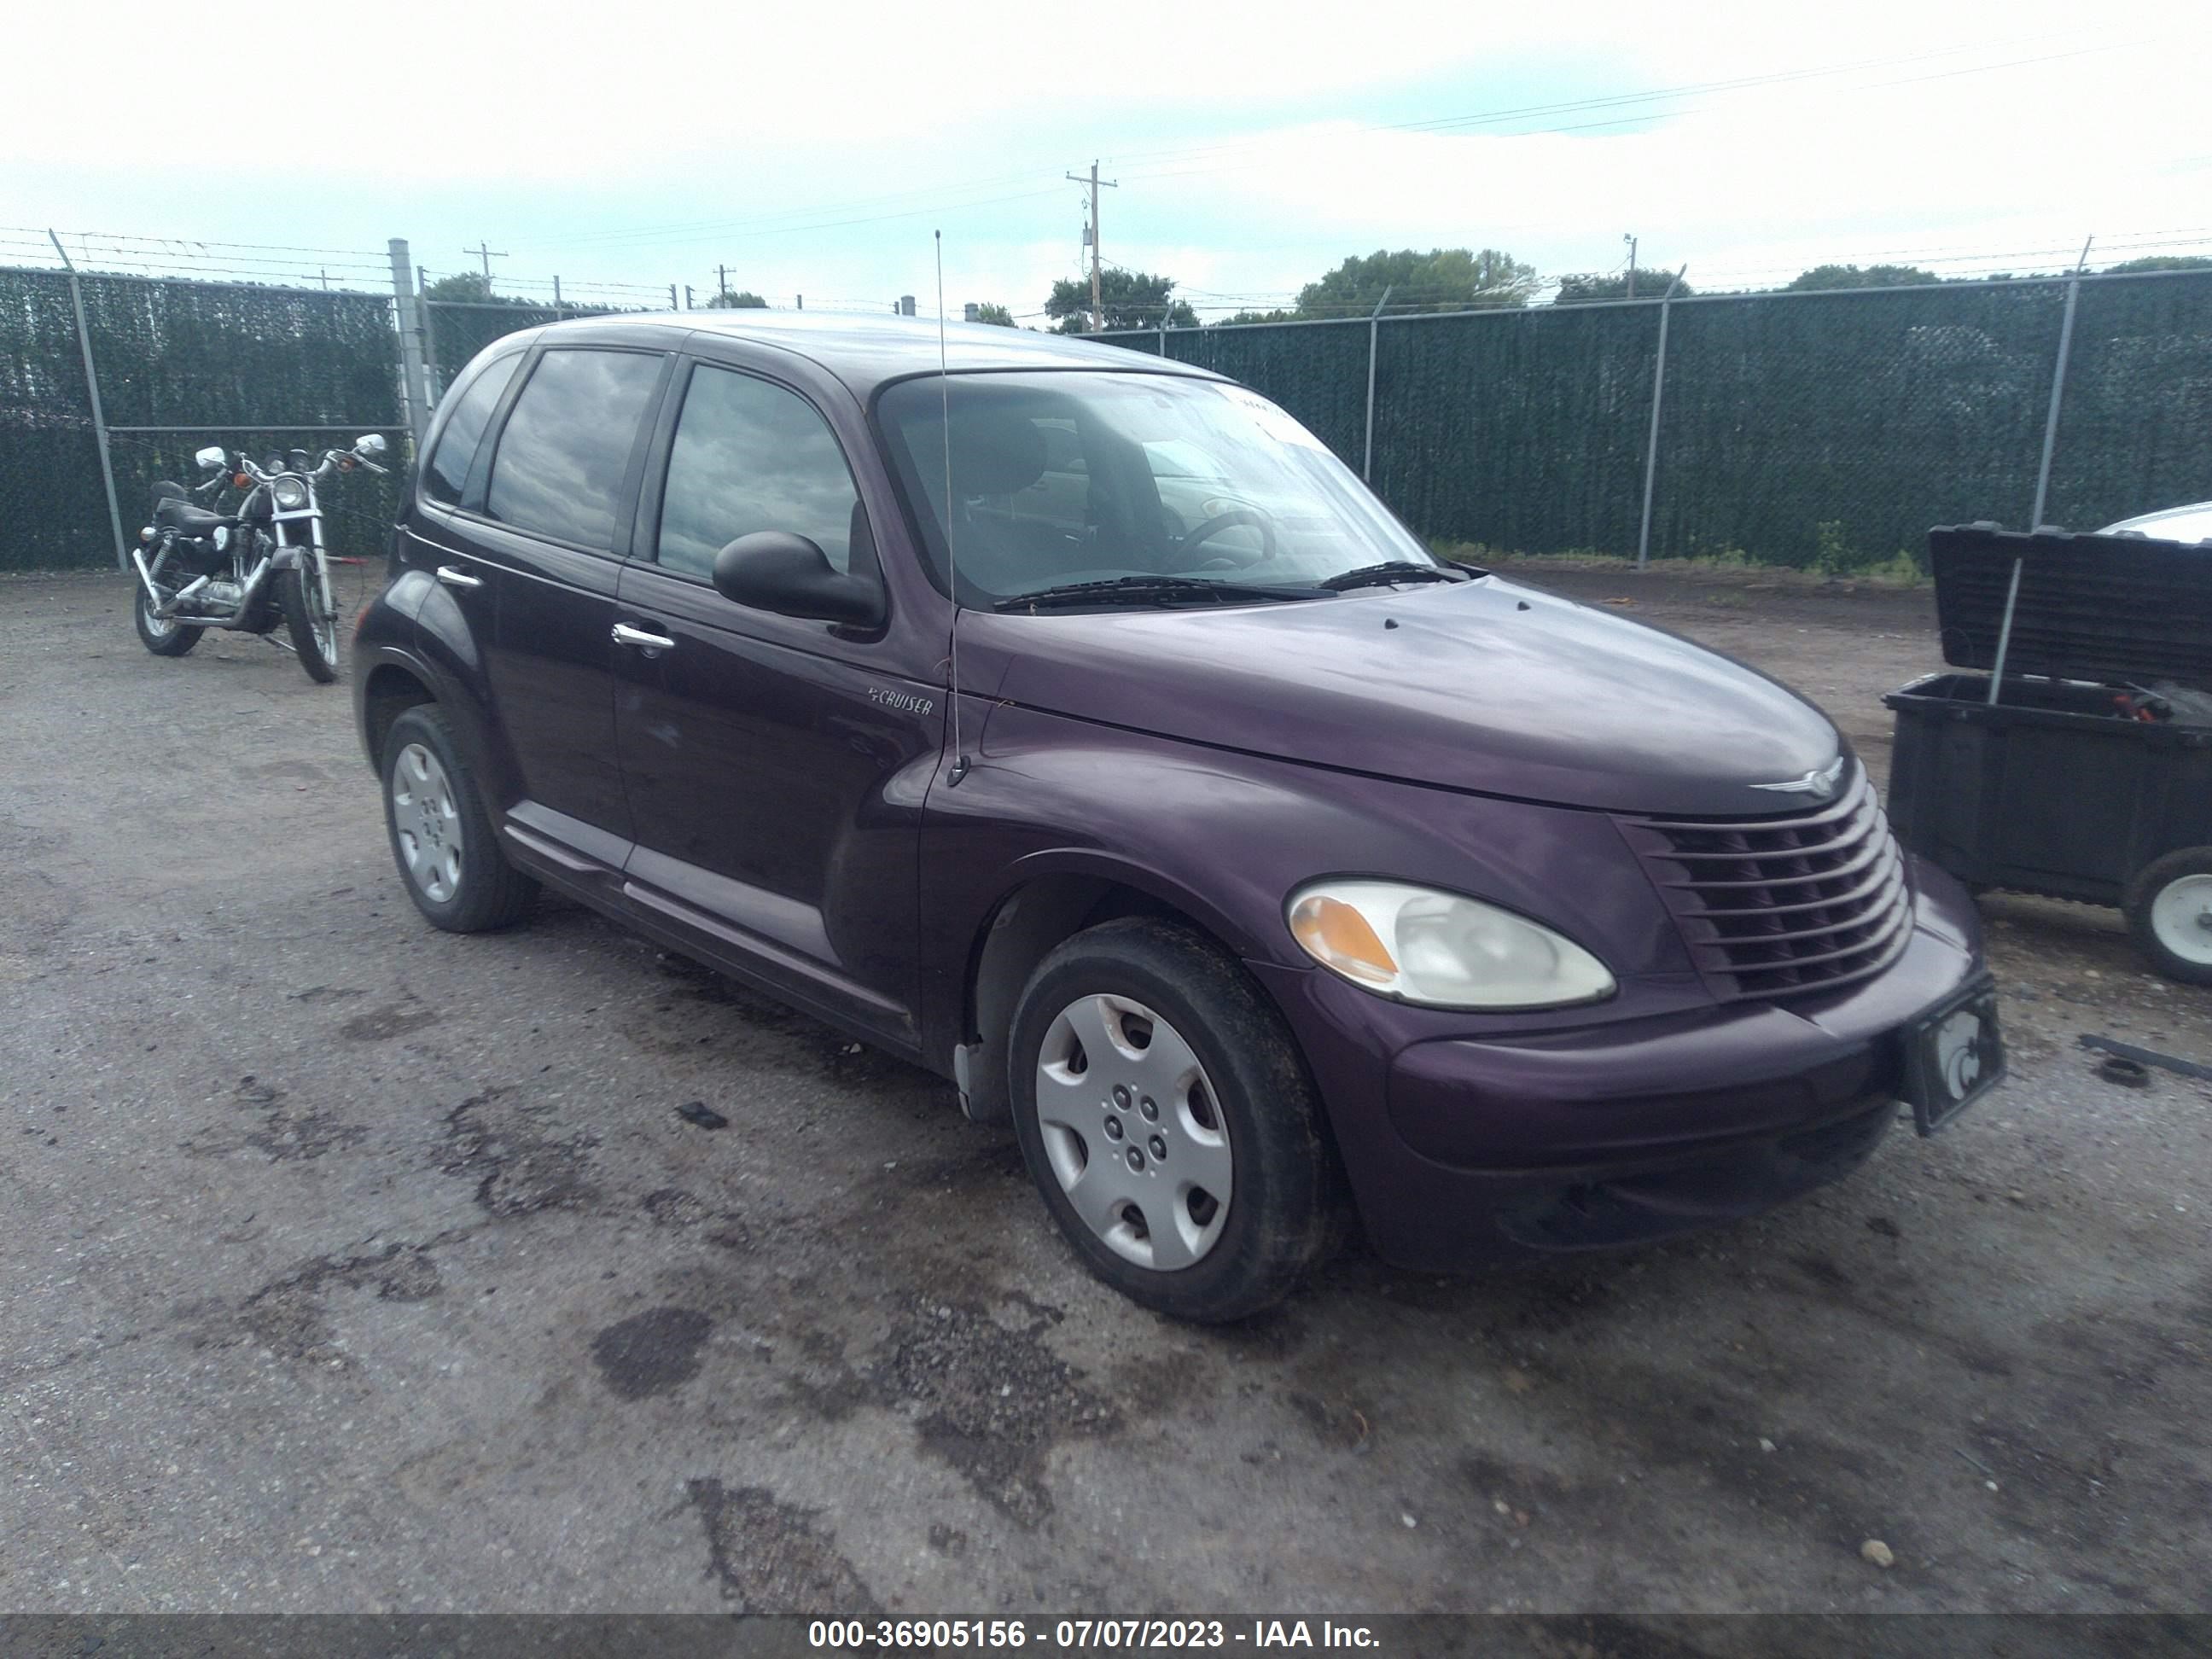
column 442, row 837
column 1168, row 1076
column 164, row 636
column 2169, row 911
column 314, row 631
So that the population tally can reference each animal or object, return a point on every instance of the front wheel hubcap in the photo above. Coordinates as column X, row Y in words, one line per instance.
column 1134, row 1132
column 427, row 820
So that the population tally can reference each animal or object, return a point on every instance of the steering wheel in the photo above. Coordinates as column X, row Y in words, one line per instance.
column 1221, row 521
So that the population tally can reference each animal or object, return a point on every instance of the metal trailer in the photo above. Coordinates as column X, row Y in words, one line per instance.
column 2052, row 770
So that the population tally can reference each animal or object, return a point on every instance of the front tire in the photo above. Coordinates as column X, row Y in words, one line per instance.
column 1167, row 1119
column 165, row 636
column 2169, row 911
column 441, row 835
column 311, row 619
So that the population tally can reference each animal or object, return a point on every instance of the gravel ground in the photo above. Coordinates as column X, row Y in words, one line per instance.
column 351, row 1266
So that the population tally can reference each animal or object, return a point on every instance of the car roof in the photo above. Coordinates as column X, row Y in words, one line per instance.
column 867, row 351
column 2185, row 524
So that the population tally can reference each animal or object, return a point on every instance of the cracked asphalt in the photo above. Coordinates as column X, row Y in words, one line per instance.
column 349, row 1266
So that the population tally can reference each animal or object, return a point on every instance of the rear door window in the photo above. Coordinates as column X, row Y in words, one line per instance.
column 565, row 450
column 442, row 480
column 749, row 456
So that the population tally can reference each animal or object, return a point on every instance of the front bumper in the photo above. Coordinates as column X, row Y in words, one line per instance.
column 1462, row 1149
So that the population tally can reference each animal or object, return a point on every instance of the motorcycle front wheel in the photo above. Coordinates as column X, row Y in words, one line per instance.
column 312, row 618
column 165, row 636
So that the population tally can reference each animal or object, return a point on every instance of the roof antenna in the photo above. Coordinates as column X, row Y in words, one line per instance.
column 951, row 568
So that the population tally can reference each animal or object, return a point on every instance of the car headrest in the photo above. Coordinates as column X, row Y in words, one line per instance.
column 995, row 453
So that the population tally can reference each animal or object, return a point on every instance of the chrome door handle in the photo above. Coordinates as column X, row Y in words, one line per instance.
column 454, row 576
column 625, row 634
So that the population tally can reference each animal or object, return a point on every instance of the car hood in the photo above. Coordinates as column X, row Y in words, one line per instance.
column 1482, row 686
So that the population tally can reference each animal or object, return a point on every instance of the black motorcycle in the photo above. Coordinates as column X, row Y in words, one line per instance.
column 246, row 569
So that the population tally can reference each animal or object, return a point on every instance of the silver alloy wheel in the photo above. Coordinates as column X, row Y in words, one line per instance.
column 158, row 627
column 2181, row 917
column 1135, row 1132
column 427, row 822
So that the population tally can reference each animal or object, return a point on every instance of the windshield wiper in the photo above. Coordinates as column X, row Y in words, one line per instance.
column 1396, row 570
column 1154, row 590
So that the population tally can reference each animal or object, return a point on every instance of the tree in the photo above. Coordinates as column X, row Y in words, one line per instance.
column 1130, row 299
column 468, row 287
column 2158, row 262
column 742, row 299
column 1826, row 277
column 1584, row 290
column 997, row 316
column 1254, row 317
column 1443, row 279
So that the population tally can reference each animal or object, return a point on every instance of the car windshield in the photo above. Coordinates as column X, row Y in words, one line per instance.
column 1068, row 477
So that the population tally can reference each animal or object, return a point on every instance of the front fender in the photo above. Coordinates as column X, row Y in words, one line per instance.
column 1224, row 837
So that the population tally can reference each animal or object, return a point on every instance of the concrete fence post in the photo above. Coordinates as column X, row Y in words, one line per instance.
column 414, row 379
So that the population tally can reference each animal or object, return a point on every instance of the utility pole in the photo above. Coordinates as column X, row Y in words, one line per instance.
column 1631, row 241
column 722, row 281
column 486, row 253
column 1097, row 310
column 687, row 296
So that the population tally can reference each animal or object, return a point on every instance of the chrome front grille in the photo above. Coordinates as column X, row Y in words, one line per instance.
column 1773, row 906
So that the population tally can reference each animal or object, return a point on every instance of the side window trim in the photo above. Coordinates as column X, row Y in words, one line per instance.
column 448, row 405
column 479, row 478
column 626, row 498
column 652, row 496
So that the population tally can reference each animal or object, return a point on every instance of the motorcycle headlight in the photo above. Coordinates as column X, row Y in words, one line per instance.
column 291, row 492
column 1440, row 949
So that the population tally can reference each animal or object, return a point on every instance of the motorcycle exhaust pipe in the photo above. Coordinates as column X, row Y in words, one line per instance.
column 163, row 607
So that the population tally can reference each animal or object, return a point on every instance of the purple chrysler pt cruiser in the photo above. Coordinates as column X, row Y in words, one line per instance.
column 1073, row 724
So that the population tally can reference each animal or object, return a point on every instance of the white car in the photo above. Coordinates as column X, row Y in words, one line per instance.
column 2192, row 523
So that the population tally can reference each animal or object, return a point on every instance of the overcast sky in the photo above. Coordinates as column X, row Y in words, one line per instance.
column 812, row 147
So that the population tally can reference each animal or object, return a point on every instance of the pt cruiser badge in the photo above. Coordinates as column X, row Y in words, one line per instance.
column 905, row 700
column 1819, row 785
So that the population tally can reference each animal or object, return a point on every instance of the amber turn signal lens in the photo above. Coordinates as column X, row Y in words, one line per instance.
column 239, row 481
column 1334, row 933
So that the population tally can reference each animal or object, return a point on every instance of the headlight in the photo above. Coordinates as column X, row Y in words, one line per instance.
column 1439, row 949
column 290, row 492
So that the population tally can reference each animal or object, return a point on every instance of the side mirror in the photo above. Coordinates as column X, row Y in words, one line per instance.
column 211, row 458
column 774, row 570
column 371, row 446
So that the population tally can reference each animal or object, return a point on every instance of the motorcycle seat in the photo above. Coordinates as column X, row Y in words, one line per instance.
column 177, row 514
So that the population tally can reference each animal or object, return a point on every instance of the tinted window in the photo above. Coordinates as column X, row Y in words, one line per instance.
column 751, row 456
column 562, row 455
column 457, row 445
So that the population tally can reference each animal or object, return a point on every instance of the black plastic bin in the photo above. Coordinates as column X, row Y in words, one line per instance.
column 2058, row 787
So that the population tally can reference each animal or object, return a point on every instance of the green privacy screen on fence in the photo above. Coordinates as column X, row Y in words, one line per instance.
column 239, row 364
column 1799, row 427
column 1820, row 427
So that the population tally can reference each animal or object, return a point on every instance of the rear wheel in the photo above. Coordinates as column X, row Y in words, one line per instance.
column 441, row 835
column 165, row 636
column 311, row 616
column 1167, row 1119
column 2169, row 910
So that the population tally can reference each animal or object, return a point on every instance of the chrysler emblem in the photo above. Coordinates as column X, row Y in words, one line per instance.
column 1820, row 784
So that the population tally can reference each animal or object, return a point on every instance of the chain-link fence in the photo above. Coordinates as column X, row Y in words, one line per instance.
column 1806, row 428
column 1821, row 428
column 178, row 365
